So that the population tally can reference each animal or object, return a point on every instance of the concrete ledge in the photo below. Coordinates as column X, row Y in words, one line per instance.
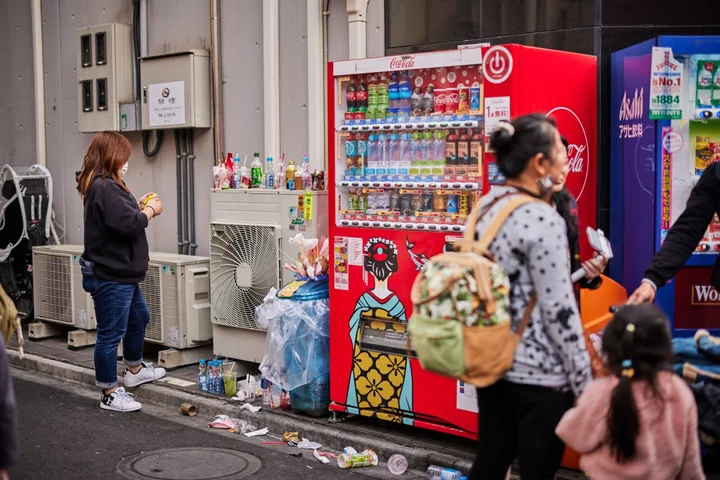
column 276, row 421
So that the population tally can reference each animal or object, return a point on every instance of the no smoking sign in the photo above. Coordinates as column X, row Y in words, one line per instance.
column 497, row 65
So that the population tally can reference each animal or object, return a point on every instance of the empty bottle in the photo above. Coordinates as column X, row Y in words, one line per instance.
column 237, row 180
column 439, row 473
column 202, row 377
column 307, row 176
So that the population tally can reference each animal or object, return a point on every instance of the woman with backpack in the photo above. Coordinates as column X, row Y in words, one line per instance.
column 519, row 413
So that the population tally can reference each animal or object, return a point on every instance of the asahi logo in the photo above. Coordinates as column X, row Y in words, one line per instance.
column 705, row 295
column 402, row 63
column 632, row 108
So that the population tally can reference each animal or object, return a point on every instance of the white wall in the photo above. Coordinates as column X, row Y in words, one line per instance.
column 174, row 25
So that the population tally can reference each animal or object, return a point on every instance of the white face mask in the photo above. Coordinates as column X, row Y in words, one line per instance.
column 124, row 169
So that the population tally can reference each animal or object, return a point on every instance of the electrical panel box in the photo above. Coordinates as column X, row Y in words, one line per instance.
column 176, row 90
column 104, row 74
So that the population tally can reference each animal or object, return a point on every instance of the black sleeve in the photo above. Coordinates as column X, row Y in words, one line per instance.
column 593, row 284
column 9, row 442
column 685, row 235
column 121, row 213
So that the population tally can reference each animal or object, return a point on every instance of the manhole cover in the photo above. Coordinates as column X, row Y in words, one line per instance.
column 190, row 464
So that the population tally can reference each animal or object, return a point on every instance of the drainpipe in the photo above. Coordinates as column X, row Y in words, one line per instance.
column 215, row 67
column 143, row 28
column 271, row 76
column 357, row 27
column 39, row 81
column 326, row 14
column 316, row 97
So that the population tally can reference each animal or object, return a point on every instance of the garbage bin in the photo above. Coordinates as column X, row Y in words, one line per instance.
column 306, row 352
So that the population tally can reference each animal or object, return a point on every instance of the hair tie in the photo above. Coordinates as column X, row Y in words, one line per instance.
column 507, row 126
column 630, row 327
column 627, row 370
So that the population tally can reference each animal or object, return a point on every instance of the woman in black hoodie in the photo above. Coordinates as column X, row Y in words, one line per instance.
column 566, row 206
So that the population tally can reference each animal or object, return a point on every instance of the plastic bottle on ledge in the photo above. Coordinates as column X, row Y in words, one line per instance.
column 290, row 172
column 280, row 177
column 202, row 377
column 269, row 174
column 237, row 179
column 256, row 172
column 306, row 173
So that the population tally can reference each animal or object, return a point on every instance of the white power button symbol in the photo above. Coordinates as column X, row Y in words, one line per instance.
column 497, row 64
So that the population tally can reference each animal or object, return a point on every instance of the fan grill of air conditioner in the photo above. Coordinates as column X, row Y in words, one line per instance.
column 152, row 291
column 244, row 265
column 52, row 278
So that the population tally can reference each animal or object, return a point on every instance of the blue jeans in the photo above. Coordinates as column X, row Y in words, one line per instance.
column 122, row 315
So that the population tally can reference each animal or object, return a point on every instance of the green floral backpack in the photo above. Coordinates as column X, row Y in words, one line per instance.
column 461, row 322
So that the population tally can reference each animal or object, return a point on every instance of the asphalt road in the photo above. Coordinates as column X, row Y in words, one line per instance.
column 65, row 435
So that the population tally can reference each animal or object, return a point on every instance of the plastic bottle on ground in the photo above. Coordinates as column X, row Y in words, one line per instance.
column 439, row 473
column 397, row 464
column 202, row 377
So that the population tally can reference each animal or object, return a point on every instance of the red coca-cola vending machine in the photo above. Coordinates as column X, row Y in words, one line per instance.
column 408, row 157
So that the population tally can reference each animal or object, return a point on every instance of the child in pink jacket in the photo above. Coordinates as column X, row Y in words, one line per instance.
column 641, row 421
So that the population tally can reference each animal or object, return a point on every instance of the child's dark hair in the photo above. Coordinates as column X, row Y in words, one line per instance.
column 515, row 146
column 638, row 346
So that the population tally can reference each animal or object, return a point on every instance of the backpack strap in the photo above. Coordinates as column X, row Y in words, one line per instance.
column 499, row 220
column 526, row 316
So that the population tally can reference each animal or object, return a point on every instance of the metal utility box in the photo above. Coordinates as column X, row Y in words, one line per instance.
column 104, row 74
column 176, row 90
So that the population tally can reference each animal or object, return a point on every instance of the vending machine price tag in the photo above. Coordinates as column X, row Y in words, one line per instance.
column 308, row 213
column 404, row 191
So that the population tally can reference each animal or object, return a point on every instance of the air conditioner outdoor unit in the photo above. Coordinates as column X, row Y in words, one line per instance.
column 249, row 242
column 177, row 293
column 58, row 294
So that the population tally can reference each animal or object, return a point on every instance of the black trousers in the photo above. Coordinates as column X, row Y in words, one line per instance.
column 518, row 421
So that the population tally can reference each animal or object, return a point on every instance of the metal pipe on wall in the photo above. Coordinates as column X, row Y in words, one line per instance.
column 191, row 187
column 316, row 97
column 39, row 82
column 185, row 176
column 357, row 28
column 143, row 28
column 271, row 76
column 215, row 67
column 326, row 15
column 179, row 187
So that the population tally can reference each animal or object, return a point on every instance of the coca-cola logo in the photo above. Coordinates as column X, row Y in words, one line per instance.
column 440, row 98
column 573, row 130
column 705, row 295
column 405, row 62
column 451, row 97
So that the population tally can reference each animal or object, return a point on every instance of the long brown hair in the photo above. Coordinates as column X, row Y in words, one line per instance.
column 105, row 156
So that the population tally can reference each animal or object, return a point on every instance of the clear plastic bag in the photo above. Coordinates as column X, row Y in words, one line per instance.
column 297, row 346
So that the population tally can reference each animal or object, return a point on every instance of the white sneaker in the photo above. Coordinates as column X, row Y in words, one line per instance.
column 147, row 374
column 120, row 401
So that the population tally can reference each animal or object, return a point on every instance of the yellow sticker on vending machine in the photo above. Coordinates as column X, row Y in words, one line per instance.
column 309, row 194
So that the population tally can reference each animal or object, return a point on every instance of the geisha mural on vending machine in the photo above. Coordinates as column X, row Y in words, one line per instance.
column 372, row 278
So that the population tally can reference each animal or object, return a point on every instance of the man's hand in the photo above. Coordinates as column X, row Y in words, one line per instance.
column 645, row 293
column 594, row 267
column 4, row 474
